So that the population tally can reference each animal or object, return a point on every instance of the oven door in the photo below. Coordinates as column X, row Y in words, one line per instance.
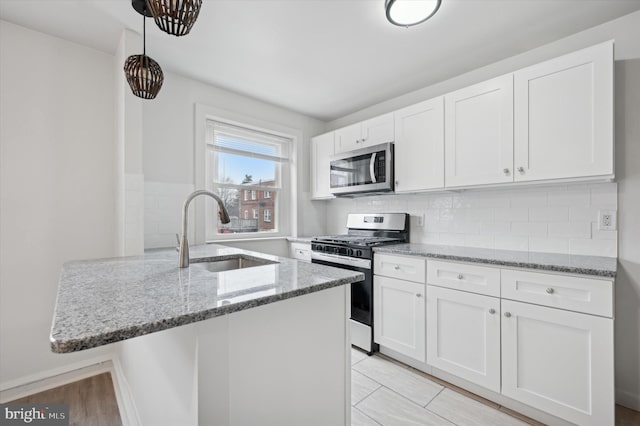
column 361, row 291
column 364, row 170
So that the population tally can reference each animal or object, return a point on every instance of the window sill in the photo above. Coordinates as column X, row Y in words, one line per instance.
column 236, row 240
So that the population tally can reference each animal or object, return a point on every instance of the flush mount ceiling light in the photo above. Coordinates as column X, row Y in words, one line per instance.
column 175, row 17
column 144, row 75
column 406, row 13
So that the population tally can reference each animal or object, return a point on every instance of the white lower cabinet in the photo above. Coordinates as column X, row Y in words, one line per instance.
column 463, row 335
column 399, row 316
column 558, row 361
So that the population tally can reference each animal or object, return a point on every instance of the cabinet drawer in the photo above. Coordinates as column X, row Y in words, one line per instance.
column 408, row 268
column 586, row 295
column 458, row 276
column 301, row 251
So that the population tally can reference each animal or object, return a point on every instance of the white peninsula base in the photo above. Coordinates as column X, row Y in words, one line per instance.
column 285, row 363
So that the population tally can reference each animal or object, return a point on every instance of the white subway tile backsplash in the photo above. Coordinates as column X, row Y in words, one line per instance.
column 512, row 214
column 529, row 228
column 597, row 234
column 163, row 212
column 570, row 229
column 549, row 245
column 548, row 214
column 553, row 219
column 607, row 248
column 569, row 197
column 583, row 214
column 511, row 242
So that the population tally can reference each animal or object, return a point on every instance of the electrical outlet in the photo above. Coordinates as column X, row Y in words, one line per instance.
column 607, row 220
column 420, row 219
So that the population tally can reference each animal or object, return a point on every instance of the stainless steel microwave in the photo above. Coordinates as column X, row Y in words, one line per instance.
column 362, row 172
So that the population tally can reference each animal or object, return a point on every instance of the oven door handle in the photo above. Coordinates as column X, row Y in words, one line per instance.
column 372, row 168
column 342, row 260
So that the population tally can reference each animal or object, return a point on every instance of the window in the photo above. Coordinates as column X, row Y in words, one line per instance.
column 242, row 164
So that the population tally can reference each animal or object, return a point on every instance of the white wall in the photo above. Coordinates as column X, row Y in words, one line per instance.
column 169, row 152
column 627, row 324
column 554, row 219
column 626, row 32
column 57, row 185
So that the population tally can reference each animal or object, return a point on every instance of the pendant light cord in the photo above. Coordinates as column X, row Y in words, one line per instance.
column 144, row 35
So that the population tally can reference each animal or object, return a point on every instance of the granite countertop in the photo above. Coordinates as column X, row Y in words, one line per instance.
column 300, row 239
column 108, row 300
column 574, row 264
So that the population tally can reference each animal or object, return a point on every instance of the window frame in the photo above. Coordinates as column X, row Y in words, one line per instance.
column 287, row 217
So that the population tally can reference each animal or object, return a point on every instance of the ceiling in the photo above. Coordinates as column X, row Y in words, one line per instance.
column 324, row 58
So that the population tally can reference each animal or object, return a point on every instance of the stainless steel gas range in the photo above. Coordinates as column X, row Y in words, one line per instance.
column 354, row 251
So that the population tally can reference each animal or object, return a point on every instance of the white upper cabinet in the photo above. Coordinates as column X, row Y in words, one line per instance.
column 322, row 148
column 564, row 116
column 479, row 134
column 371, row 132
column 419, row 146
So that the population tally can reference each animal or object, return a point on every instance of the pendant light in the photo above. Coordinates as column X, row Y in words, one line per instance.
column 175, row 17
column 406, row 13
column 144, row 75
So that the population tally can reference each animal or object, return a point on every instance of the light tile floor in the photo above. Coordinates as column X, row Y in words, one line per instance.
column 387, row 393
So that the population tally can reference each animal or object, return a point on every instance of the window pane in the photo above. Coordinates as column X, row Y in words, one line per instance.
column 242, row 144
column 246, row 215
column 240, row 170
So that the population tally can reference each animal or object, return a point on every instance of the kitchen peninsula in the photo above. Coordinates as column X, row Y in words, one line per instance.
column 210, row 339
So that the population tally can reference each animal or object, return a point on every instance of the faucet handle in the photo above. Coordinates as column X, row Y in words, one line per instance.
column 178, row 240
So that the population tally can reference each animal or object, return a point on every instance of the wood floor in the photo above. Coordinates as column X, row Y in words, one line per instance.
column 92, row 401
column 383, row 393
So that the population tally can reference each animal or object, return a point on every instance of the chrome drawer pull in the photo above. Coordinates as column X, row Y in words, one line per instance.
column 550, row 290
column 397, row 267
column 507, row 314
column 460, row 276
column 492, row 311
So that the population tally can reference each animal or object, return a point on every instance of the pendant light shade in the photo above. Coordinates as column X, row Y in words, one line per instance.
column 406, row 13
column 175, row 17
column 143, row 74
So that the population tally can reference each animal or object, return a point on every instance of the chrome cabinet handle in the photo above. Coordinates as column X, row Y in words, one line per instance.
column 492, row 311
column 521, row 169
column 507, row 314
column 460, row 276
column 418, row 295
column 397, row 267
column 550, row 290
column 506, row 171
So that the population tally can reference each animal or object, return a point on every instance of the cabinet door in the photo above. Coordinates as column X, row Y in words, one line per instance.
column 558, row 361
column 419, row 146
column 378, row 130
column 399, row 317
column 463, row 335
column 479, row 134
column 564, row 116
column 322, row 148
column 349, row 138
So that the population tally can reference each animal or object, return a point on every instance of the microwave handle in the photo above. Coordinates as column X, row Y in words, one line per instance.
column 372, row 168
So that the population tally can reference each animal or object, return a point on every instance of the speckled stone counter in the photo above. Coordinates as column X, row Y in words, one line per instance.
column 585, row 265
column 306, row 240
column 109, row 300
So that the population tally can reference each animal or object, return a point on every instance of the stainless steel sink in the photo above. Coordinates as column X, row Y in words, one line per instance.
column 229, row 263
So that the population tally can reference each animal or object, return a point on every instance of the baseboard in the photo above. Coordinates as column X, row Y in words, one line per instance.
column 628, row 399
column 52, row 378
column 126, row 403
